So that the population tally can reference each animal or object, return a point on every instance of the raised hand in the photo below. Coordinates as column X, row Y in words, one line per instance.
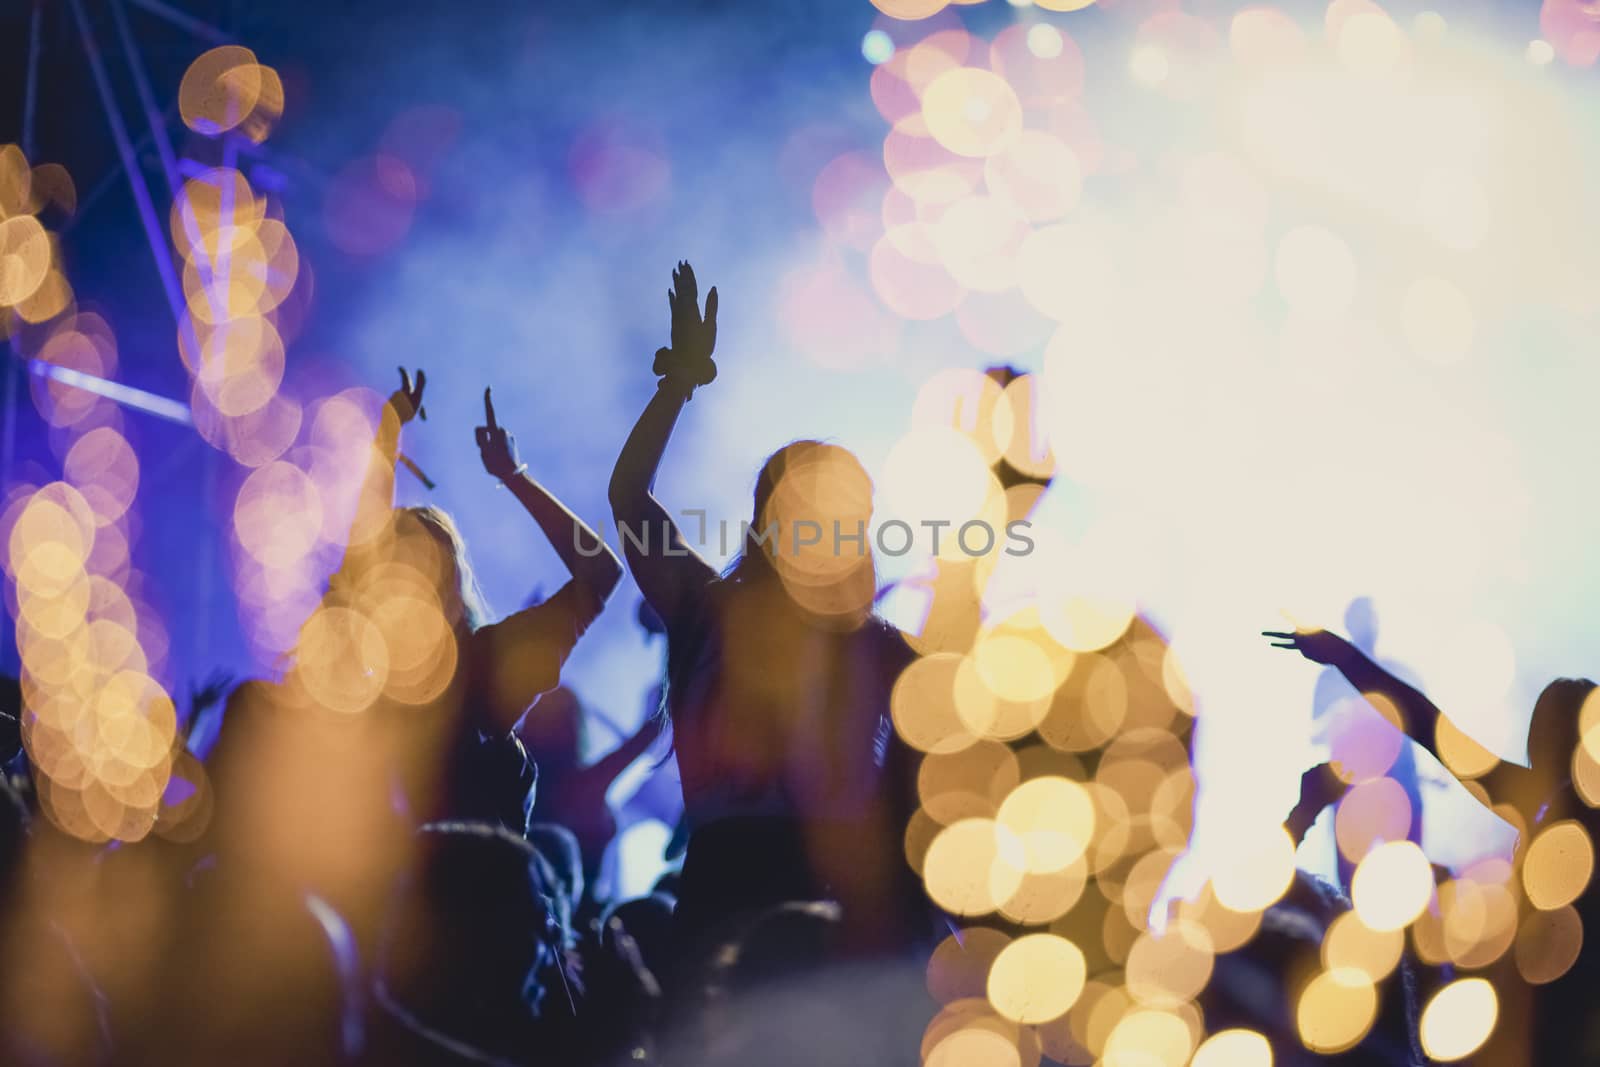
column 1319, row 787
column 497, row 447
column 694, row 337
column 1318, row 646
column 407, row 400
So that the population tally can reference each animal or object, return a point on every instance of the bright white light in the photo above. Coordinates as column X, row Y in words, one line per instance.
column 1540, row 52
column 1437, row 320
column 1316, row 272
column 639, row 857
column 1044, row 41
column 1371, row 44
column 1149, row 64
column 1429, row 24
column 1454, row 208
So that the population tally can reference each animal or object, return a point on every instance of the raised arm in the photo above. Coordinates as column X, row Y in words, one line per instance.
column 523, row 654
column 586, row 556
column 1418, row 716
column 665, row 566
column 376, row 503
column 633, row 478
column 603, row 771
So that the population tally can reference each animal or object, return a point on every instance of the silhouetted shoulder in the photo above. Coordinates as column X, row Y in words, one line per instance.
column 889, row 643
column 521, row 656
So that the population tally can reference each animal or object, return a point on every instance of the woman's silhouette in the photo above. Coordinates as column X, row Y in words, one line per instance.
column 399, row 702
column 500, row 668
column 778, row 674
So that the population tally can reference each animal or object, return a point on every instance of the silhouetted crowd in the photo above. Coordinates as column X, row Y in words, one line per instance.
column 399, row 850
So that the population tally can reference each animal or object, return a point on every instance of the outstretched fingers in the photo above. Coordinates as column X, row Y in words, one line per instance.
column 413, row 392
column 688, row 288
column 1280, row 639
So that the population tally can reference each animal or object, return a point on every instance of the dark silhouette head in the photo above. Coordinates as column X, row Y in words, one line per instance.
column 812, row 527
column 648, row 920
column 1553, row 730
column 1009, row 476
column 427, row 538
column 783, row 942
column 473, row 938
column 808, row 480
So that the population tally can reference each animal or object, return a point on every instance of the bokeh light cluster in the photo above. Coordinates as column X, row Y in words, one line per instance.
column 240, row 266
column 1209, row 235
column 246, row 295
column 101, row 732
column 1056, row 793
column 387, row 630
column 33, row 289
column 1056, row 786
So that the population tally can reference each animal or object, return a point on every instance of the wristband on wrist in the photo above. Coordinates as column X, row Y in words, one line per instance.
column 678, row 381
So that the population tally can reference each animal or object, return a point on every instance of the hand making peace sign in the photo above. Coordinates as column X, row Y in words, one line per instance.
column 407, row 400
